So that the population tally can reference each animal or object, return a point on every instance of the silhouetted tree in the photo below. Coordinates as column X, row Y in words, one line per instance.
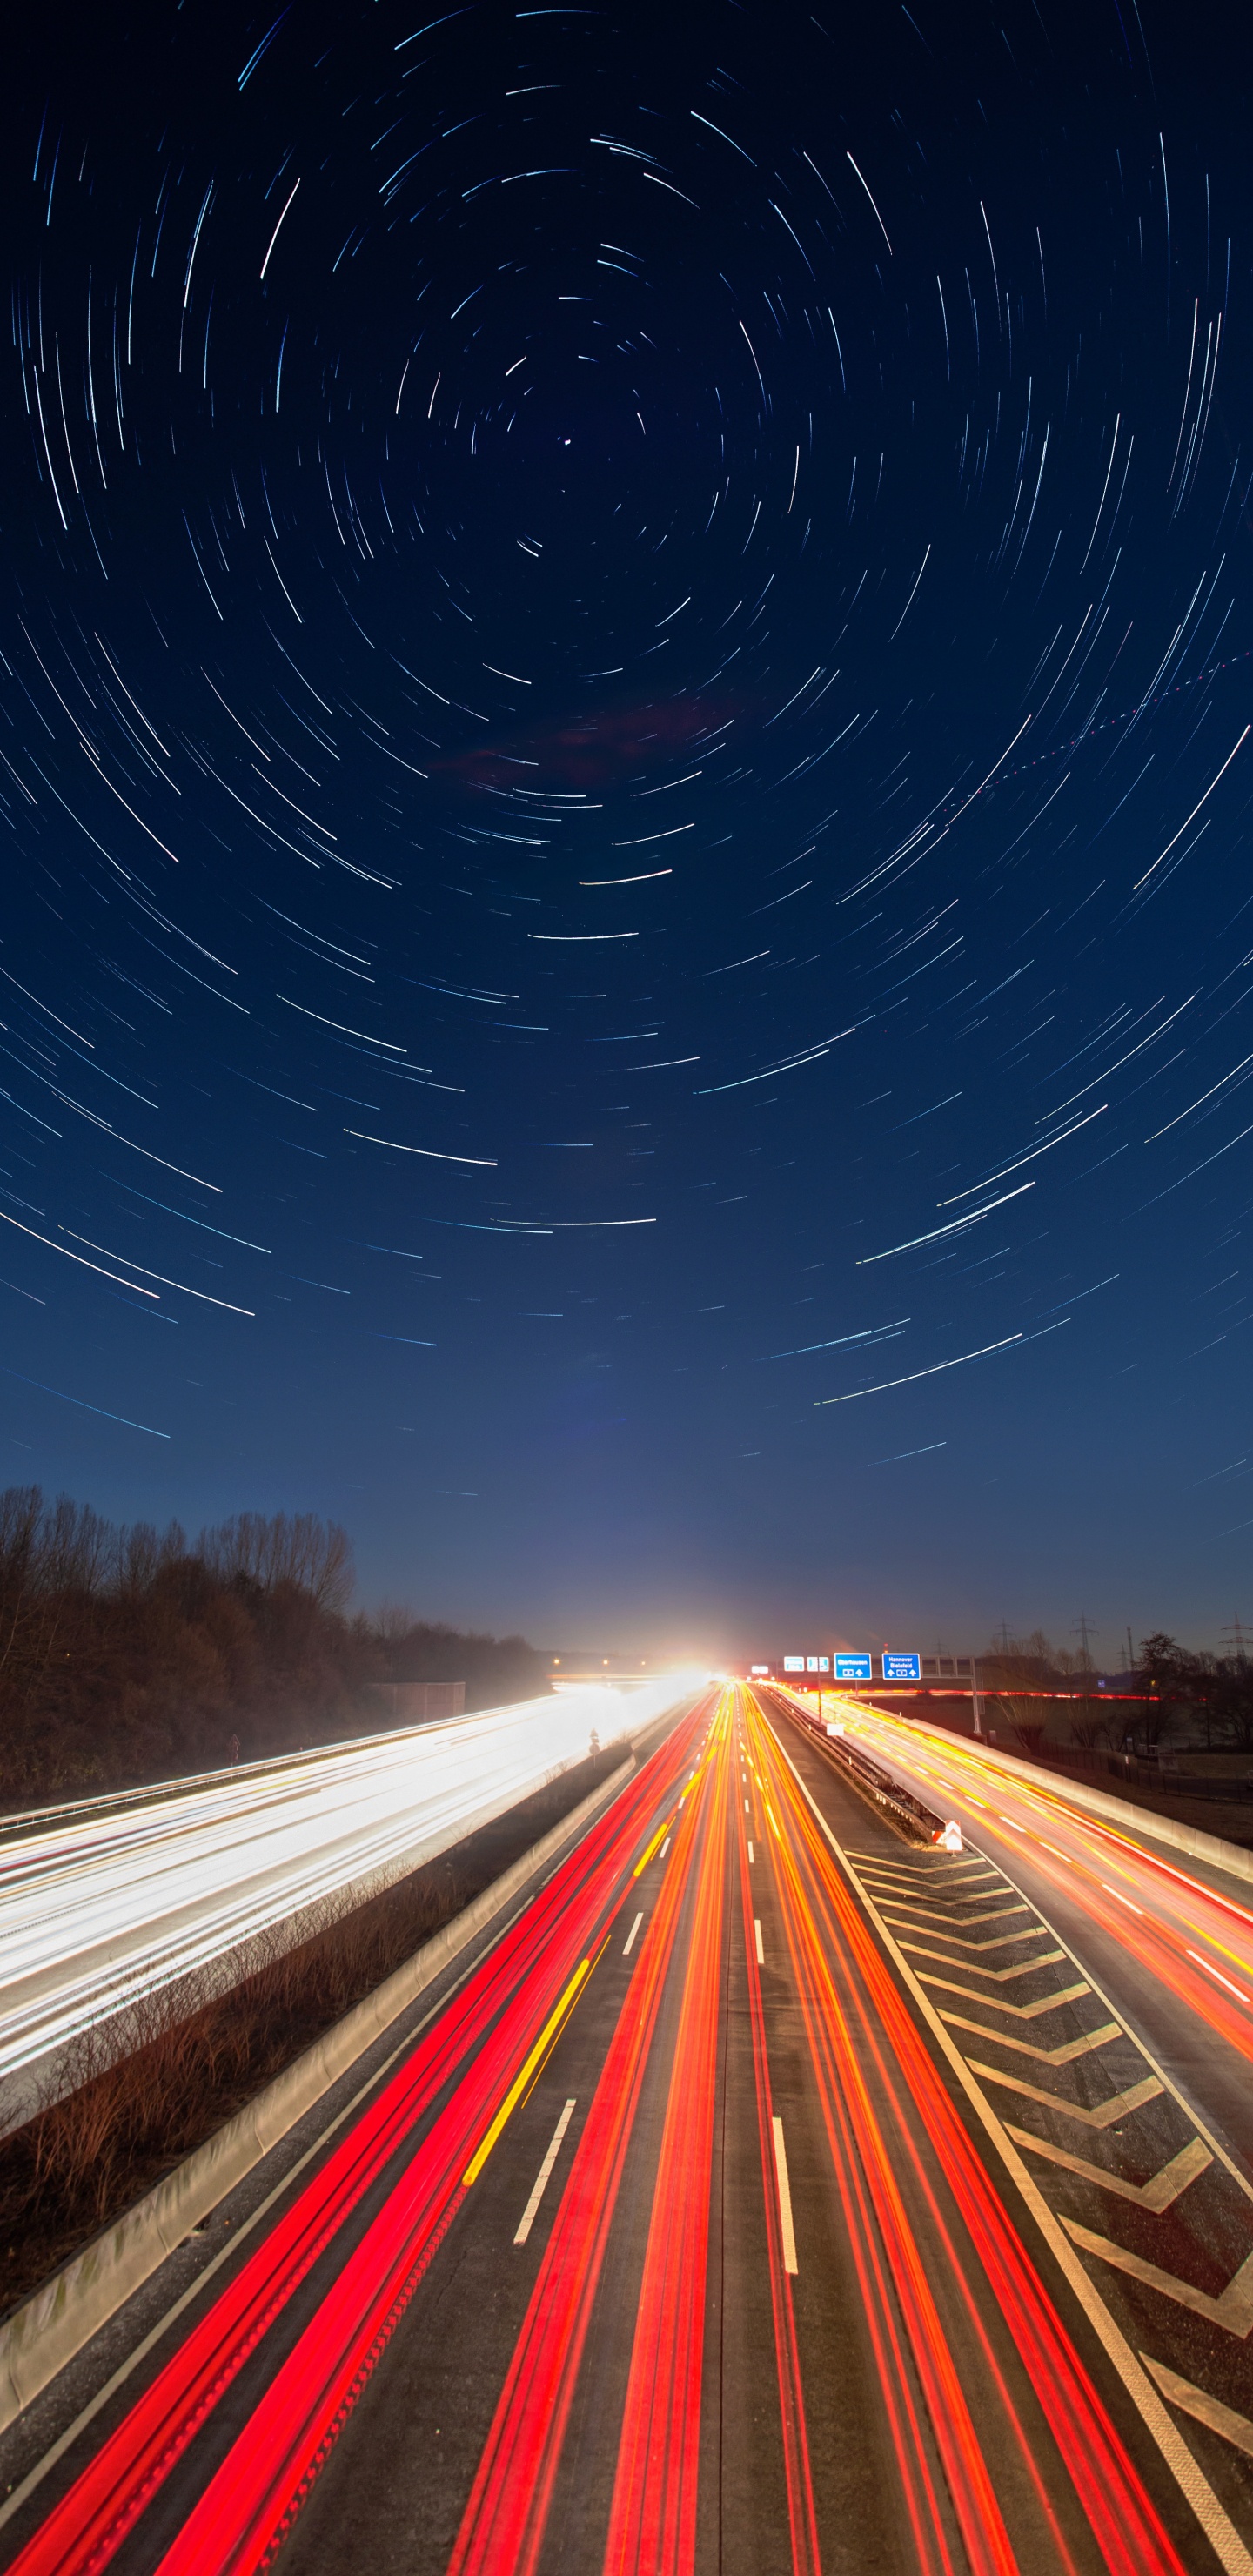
column 127, row 1656
column 1172, row 1679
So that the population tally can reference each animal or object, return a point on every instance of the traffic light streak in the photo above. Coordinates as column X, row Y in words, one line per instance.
column 652, row 2522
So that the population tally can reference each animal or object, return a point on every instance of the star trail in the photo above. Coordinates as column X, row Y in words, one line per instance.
column 762, row 494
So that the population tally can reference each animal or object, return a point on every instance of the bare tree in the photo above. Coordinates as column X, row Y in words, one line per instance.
column 1017, row 1669
column 295, row 1548
column 1089, row 1723
column 393, row 1622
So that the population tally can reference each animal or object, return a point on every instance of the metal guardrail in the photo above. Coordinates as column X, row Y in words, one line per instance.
column 885, row 1792
column 874, row 1783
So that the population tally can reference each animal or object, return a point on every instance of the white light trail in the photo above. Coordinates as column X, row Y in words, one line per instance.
column 111, row 1902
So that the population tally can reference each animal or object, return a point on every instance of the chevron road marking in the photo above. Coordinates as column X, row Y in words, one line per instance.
column 1232, row 2310
column 894, row 1874
column 900, row 1866
column 1061, row 2056
column 993, row 2003
column 1207, row 2410
column 971, row 1967
column 955, row 1938
column 981, row 1946
column 1160, row 2194
column 1103, row 2117
column 929, row 1915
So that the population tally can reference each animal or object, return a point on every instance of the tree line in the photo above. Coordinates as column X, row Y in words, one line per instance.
column 1207, row 1697
column 130, row 1655
column 1185, row 1695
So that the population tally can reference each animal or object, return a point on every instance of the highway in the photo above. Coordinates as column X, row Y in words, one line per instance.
column 112, row 1901
column 777, row 2193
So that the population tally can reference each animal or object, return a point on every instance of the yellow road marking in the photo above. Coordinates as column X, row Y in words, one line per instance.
column 521, row 2082
column 646, row 1856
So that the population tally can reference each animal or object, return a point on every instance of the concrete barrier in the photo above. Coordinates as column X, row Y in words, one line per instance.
column 52, row 2327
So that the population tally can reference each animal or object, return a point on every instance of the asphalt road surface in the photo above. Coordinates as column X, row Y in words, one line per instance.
column 777, row 2194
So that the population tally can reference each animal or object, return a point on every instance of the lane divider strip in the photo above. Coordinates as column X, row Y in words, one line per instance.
column 527, row 2219
column 785, row 2197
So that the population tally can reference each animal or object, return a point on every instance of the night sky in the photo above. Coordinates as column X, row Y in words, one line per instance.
column 625, row 681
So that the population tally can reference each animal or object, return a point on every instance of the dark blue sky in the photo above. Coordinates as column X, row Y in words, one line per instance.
column 624, row 679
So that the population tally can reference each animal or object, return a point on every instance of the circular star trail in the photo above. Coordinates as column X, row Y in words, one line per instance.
column 624, row 673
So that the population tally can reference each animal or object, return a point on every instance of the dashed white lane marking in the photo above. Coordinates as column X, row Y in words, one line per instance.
column 761, row 1956
column 785, row 2197
column 629, row 1943
column 751, row 1853
column 664, row 1848
column 527, row 2219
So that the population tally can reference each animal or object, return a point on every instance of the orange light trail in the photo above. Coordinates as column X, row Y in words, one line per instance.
column 1176, row 1911
column 885, row 2247
column 652, row 2520
column 802, row 2519
column 1128, row 2529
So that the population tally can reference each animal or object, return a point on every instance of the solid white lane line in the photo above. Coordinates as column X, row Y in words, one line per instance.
column 761, row 1956
column 629, row 1943
column 528, row 2215
column 785, row 2196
